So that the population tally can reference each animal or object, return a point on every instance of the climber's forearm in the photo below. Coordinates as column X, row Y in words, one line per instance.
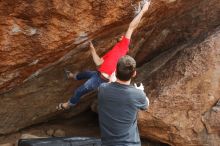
column 97, row 60
column 134, row 23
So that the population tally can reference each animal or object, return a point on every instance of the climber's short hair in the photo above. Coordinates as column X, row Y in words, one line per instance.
column 126, row 68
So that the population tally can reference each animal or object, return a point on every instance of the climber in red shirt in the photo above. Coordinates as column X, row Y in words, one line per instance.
column 107, row 64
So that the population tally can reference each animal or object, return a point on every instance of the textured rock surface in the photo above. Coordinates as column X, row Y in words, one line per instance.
column 35, row 34
column 7, row 144
column 35, row 37
column 40, row 38
column 183, row 86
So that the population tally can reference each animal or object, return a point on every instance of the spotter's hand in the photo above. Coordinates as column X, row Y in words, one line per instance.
column 141, row 87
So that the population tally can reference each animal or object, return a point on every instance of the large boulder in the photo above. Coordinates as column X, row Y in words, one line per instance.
column 40, row 38
column 38, row 33
column 184, row 86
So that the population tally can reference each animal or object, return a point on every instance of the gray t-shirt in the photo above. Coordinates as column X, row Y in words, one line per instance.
column 118, row 107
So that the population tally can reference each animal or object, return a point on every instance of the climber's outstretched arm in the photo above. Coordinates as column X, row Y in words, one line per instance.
column 98, row 61
column 133, row 25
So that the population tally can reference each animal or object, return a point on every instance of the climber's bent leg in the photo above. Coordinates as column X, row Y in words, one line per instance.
column 85, row 75
column 90, row 85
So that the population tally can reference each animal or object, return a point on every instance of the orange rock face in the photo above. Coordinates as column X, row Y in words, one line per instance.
column 40, row 38
column 182, row 86
column 37, row 33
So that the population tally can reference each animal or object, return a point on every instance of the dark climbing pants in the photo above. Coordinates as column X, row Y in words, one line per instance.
column 92, row 83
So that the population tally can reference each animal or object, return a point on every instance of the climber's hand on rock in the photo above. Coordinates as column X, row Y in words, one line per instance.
column 146, row 5
column 140, row 87
column 92, row 48
column 91, row 45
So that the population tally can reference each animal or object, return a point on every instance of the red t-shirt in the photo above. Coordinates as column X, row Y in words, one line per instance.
column 111, row 58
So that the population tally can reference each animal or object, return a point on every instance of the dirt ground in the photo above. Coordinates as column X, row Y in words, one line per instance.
column 85, row 125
